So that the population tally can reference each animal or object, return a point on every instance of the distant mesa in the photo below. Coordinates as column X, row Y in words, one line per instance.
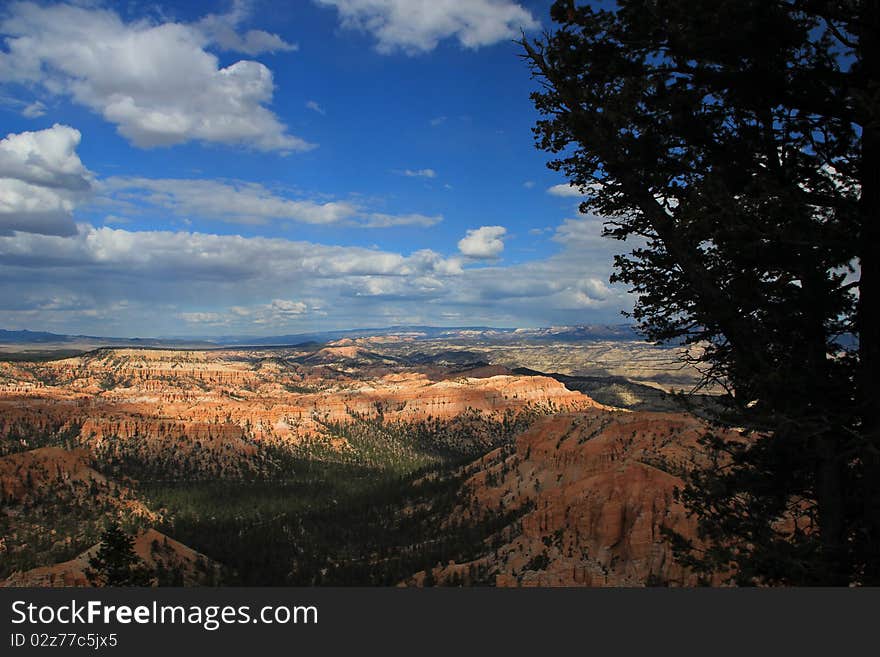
column 623, row 332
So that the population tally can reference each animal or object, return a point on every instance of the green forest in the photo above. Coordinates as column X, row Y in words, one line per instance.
column 373, row 512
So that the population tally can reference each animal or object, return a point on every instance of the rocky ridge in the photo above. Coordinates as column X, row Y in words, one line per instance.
column 595, row 491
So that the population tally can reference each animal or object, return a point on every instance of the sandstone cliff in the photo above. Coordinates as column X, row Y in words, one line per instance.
column 213, row 410
column 595, row 489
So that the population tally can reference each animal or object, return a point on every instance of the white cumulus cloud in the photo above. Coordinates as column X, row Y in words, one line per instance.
column 129, row 282
column 156, row 82
column 206, row 257
column 484, row 243
column 417, row 26
column 567, row 190
column 41, row 181
column 564, row 190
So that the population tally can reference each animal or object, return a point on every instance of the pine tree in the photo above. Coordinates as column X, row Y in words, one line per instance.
column 738, row 143
column 115, row 563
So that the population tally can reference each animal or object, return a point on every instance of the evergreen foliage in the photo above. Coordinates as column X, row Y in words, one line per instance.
column 115, row 563
column 737, row 144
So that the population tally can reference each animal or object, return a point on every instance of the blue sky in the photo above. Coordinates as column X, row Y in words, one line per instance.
column 238, row 168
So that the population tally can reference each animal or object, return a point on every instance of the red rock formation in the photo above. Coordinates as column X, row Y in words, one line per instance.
column 34, row 474
column 597, row 488
column 153, row 547
column 229, row 398
column 32, row 470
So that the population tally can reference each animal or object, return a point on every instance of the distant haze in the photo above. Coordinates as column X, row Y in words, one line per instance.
column 25, row 338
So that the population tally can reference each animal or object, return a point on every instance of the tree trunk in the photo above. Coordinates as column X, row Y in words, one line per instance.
column 815, row 410
column 830, row 477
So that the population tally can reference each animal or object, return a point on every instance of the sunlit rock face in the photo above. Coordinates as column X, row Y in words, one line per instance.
column 222, row 404
column 595, row 490
column 590, row 487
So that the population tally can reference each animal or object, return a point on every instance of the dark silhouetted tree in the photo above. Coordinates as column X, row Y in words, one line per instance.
column 115, row 563
column 737, row 143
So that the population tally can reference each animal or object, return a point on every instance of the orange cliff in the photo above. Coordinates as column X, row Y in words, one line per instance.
column 596, row 489
column 233, row 397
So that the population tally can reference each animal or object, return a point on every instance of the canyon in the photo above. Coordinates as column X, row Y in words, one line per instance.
column 435, row 462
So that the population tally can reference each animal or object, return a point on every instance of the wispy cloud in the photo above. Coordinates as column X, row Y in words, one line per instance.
column 34, row 110
column 231, row 201
column 223, row 30
column 277, row 312
column 418, row 173
column 315, row 107
column 378, row 220
column 245, row 203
